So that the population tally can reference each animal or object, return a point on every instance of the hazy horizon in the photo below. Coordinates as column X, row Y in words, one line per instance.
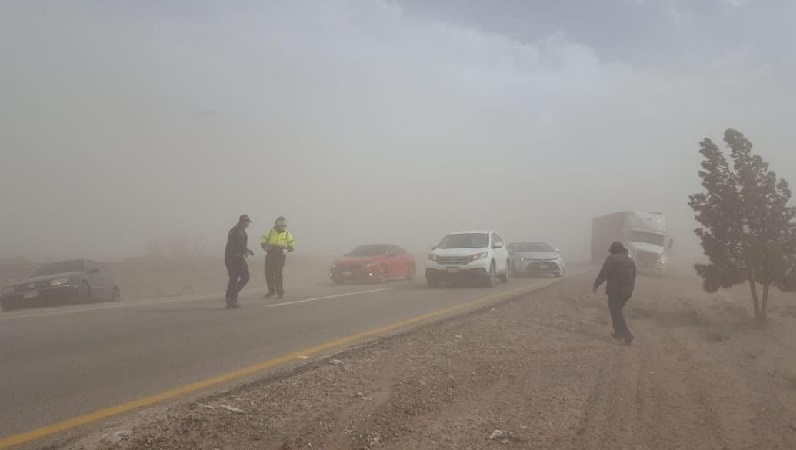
column 372, row 120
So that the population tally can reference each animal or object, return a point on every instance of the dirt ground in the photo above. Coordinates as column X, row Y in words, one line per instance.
column 539, row 372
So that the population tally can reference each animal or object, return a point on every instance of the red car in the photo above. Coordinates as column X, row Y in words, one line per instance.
column 374, row 263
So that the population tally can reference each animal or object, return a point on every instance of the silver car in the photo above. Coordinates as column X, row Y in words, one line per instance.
column 535, row 258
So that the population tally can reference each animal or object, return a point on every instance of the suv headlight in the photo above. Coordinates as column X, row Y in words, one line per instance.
column 432, row 257
column 478, row 256
column 59, row 282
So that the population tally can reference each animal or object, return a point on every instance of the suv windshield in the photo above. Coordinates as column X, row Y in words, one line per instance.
column 467, row 240
column 647, row 237
column 532, row 247
column 59, row 267
column 369, row 250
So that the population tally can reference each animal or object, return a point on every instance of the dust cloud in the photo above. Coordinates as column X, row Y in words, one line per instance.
column 127, row 122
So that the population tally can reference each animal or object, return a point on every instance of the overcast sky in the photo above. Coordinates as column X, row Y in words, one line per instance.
column 373, row 121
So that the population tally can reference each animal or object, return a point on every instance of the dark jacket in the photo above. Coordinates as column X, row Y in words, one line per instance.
column 237, row 243
column 619, row 270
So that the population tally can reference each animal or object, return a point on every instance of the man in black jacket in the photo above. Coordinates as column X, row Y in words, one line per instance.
column 619, row 270
column 235, row 259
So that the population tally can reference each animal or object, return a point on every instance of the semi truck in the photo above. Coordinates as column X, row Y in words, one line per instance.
column 643, row 233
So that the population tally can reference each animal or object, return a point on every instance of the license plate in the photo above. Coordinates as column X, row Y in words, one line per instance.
column 453, row 269
column 346, row 274
column 544, row 266
column 30, row 294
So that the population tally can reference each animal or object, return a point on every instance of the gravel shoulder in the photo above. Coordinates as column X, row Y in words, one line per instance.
column 536, row 372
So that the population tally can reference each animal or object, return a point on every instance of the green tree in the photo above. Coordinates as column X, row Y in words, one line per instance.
column 748, row 230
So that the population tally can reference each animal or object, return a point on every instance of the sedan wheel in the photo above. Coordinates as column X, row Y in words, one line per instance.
column 505, row 277
column 382, row 276
column 412, row 272
column 85, row 293
column 7, row 305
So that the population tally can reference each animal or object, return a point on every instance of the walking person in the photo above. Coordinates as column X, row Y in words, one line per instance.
column 276, row 242
column 235, row 259
column 619, row 271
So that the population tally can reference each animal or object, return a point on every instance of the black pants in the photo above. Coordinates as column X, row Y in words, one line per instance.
column 238, row 272
column 274, row 264
column 616, row 303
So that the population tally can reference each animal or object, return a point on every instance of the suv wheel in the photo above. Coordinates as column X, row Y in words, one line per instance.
column 490, row 279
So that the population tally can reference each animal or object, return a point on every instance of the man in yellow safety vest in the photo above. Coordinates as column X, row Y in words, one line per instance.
column 275, row 243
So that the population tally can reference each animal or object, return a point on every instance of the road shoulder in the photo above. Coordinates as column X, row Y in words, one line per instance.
column 540, row 369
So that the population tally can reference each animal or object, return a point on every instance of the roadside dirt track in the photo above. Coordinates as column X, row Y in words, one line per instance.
column 542, row 369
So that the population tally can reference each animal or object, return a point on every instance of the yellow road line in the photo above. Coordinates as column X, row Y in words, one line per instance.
column 49, row 430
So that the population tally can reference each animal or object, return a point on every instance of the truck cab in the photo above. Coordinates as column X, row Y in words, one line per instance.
column 643, row 233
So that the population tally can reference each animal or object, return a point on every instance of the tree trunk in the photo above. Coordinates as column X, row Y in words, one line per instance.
column 755, row 298
column 764, row 303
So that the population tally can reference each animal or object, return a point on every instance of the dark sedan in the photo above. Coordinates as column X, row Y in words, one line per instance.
column 73, row 281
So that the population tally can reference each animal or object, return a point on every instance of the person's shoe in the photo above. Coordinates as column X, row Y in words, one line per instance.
column 629, row 338
column 282, row 295
column 268, row 295
column 233, row 305
column 616, row 336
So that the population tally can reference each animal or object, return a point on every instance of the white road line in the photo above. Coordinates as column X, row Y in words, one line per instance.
column 326, row 297
column 132, row 304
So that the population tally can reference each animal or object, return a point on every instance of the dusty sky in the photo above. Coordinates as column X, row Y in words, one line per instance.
column 369, row 120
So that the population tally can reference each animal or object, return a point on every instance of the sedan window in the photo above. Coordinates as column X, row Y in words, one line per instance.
column 60, row 267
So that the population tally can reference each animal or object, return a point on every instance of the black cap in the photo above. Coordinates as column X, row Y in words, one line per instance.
column 617, row 247
column 244, row 218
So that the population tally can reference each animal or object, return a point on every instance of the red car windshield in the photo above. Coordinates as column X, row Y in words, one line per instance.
column 369, row 250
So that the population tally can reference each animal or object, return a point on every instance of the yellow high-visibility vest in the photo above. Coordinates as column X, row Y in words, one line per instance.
column 277, row 239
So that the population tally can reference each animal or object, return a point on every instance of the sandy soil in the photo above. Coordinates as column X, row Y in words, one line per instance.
column 540, row 372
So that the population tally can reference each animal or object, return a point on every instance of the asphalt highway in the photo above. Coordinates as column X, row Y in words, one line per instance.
column 64, row 362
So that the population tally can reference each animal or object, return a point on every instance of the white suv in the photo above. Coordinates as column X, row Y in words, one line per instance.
column 480, row 255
